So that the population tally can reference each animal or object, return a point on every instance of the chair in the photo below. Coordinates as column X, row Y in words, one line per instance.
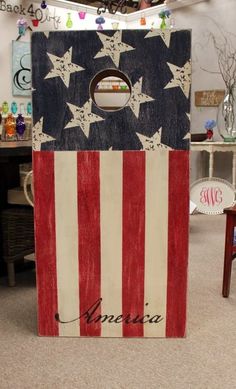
column 17, row 224
column 230, row 248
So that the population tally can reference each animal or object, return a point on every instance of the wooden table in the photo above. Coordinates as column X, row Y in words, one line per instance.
column 211, row 148
column 16, row 148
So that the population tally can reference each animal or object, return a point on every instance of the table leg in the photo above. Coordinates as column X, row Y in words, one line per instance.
column 229, row 236
column 234, row 170
column 211, row 164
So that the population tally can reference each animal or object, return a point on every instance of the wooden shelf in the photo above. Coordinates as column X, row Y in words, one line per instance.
column 112, row 91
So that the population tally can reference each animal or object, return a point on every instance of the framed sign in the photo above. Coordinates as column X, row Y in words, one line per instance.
column 21, row 69
column 209, row 98
column 212, row 195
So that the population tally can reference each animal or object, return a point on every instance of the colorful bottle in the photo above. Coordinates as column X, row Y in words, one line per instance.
column 5, row 107
column 69, row 22
column 29, row 108
column 20, row 126
column 10, row 127
column 14, row 107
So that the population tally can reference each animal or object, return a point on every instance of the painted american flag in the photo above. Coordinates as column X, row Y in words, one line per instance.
column 111, row 188
column 112, row 225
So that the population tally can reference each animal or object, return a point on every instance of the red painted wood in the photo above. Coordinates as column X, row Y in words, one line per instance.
column 89, row 238
column 133, row 239
column 45, row 242
column 229, row 251
column 178, row 231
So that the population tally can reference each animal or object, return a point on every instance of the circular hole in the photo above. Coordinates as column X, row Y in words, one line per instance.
column 110, row 90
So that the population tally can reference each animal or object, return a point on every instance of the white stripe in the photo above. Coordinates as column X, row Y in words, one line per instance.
column 67, row 241
column 111, row 238
column 156, row 239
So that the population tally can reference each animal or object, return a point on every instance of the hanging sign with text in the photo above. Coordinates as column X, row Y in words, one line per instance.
column 31, row 11
column 209, row 98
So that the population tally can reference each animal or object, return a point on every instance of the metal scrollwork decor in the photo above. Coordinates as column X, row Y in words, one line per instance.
column 112, row 7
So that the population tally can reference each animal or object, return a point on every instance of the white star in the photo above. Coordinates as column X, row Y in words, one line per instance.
column 83, row 117
column 187, row 136
column 137, row 97
column 181, row 77
column 63, row 67
column 39, row 136
column 46, row 33
column 113, row 47
column 164, row 34
column 153, row 143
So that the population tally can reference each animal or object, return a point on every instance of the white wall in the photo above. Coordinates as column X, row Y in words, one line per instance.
column 202, row 19
column 197, row 17
column 9, row 32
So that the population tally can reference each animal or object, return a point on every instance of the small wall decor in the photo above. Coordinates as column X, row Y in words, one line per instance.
column 100, row 21
column 21, row 69
column 209, row 98
column 164, row 15
column 142, row 21
column 69, row 22
column 82, row 15
column 115, row 25
column 43, row 4
column 22, row 26
column 35, row 22
column 212, row 195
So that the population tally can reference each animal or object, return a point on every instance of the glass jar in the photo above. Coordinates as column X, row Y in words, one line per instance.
column 226, row 119
column 10, row 127
column 20, row 126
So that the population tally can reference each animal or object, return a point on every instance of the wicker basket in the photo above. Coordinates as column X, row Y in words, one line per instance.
column 17, row 233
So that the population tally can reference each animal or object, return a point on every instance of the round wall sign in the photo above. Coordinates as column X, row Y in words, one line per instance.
column 212, row 195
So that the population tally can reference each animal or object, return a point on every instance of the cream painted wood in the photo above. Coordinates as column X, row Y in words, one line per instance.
column 156, row 239
column 111, row 238
column 67, row 241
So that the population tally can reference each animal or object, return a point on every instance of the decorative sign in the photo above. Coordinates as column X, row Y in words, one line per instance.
column 37, row 13
column 209, row 98
column 212, row 195
column 21, row 69
column 112, row 243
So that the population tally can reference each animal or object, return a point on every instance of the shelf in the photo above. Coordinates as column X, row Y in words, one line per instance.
column 111, row 91
column 15, row 148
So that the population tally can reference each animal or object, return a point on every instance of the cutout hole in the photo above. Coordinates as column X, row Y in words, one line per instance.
column 110, row 90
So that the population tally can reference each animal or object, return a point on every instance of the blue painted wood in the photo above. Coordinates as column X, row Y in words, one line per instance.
column 119, row 129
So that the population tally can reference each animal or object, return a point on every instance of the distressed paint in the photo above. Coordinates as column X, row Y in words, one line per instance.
column 111, row 188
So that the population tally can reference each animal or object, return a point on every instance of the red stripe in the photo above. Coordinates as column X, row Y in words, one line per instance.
column 44, row 214
column 133, row 239
column 89, row 238
column 178, row 232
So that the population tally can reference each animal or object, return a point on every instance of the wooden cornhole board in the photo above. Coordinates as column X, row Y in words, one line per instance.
column 111, row 187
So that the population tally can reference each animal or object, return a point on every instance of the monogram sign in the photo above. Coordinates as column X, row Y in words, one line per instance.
column 212, row 195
